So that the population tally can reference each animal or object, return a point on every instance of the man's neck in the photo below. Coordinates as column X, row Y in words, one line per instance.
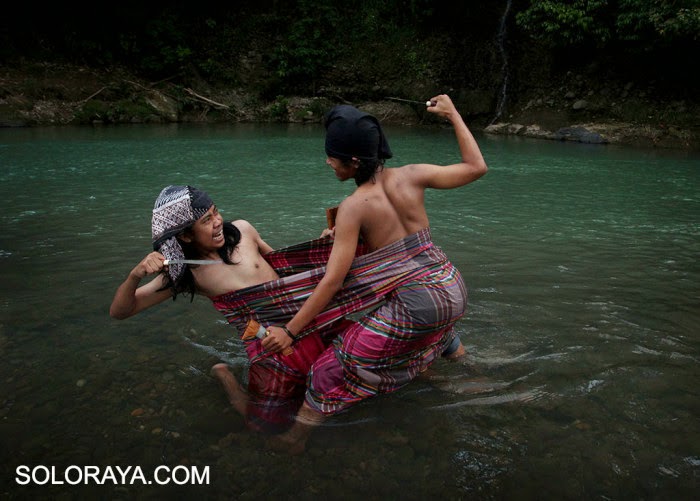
column 211, row 254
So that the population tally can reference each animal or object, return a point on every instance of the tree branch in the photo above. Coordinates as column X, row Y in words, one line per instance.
column 209, row 101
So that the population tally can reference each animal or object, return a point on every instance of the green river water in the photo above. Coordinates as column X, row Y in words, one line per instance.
column 583, row 325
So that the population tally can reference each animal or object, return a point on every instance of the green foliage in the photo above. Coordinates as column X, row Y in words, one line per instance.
column 665, row 21
column 310, row 42
column 278, row 110
column 572, row 22
column 318, row 107
column 417, row 63
column 319, row 32
column 602, row 22
column 166, row 48
column 297, row 46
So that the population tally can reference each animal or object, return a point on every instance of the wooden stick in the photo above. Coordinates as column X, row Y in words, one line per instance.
column 330, row 216
column 93, row 95
column 214, row 103
column 137, row 84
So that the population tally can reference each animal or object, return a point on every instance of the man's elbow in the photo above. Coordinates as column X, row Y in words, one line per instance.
column 481, row 168
column 331, row 285
column 118, row 314
column 473, row 171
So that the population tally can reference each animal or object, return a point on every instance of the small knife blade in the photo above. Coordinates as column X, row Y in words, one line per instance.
column 191, row 261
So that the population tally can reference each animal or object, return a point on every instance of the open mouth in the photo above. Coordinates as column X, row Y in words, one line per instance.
column 219, row 236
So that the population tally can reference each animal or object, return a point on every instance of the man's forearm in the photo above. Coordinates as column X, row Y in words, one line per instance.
column 124, row 301
column 468, row 148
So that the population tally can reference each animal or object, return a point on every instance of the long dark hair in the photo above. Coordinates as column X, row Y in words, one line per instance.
column 366, row 169
column 186, row 283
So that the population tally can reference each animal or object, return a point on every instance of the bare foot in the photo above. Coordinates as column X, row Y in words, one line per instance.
column 293, row 441
column 284, row 443
column 236, row 395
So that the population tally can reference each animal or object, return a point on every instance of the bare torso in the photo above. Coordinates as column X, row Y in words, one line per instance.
column 249, row 267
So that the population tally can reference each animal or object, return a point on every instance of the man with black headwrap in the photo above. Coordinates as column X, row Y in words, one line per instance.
column 390, row 346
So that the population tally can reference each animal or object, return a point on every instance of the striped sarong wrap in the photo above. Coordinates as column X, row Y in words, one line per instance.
column 407, row 274
column 391, row 345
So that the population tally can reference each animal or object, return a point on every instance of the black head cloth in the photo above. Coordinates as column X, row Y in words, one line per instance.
column 353, row 133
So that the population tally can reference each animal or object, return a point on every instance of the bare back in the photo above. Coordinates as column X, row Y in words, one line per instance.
column 390, row 208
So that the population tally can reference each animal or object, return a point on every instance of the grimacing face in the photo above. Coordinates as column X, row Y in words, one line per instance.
column 207, row 233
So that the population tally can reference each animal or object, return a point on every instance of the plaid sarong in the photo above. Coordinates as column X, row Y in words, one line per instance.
column 393, row 344
column 410, row 263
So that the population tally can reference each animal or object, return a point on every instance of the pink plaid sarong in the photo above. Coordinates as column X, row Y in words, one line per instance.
column 411, row 270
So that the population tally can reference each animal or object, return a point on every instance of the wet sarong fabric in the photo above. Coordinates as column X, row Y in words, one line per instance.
column 421, row 295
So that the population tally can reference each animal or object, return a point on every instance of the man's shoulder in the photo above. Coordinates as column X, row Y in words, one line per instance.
column 404, row 173
column 242, row 225
column 352, row 200
column 407, row 169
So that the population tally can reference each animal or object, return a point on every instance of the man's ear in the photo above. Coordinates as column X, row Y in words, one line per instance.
column 185, row 237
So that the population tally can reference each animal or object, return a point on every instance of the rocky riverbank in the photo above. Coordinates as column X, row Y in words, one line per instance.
column 574, row 109
column 605, row 133
column 597, row 111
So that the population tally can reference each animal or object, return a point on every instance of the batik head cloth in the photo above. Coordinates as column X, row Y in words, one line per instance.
column 353, row 133
column 176, row 208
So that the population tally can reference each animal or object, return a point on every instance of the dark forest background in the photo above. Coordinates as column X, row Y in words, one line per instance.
column 489, row 53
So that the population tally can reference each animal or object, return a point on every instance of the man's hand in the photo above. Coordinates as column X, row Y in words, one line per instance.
column 276, row 340
column 443, row 106
column 150, row 265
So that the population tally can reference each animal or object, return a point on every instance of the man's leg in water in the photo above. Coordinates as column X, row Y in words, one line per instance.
column 294, row 440
column 455, row 349
column 458, row 353
column 236, row 396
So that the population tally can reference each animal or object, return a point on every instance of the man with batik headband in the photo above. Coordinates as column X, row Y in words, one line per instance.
column 187, row 226
column 176, row 209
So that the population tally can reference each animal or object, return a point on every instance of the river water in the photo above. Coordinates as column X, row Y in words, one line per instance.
column 581, row 380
